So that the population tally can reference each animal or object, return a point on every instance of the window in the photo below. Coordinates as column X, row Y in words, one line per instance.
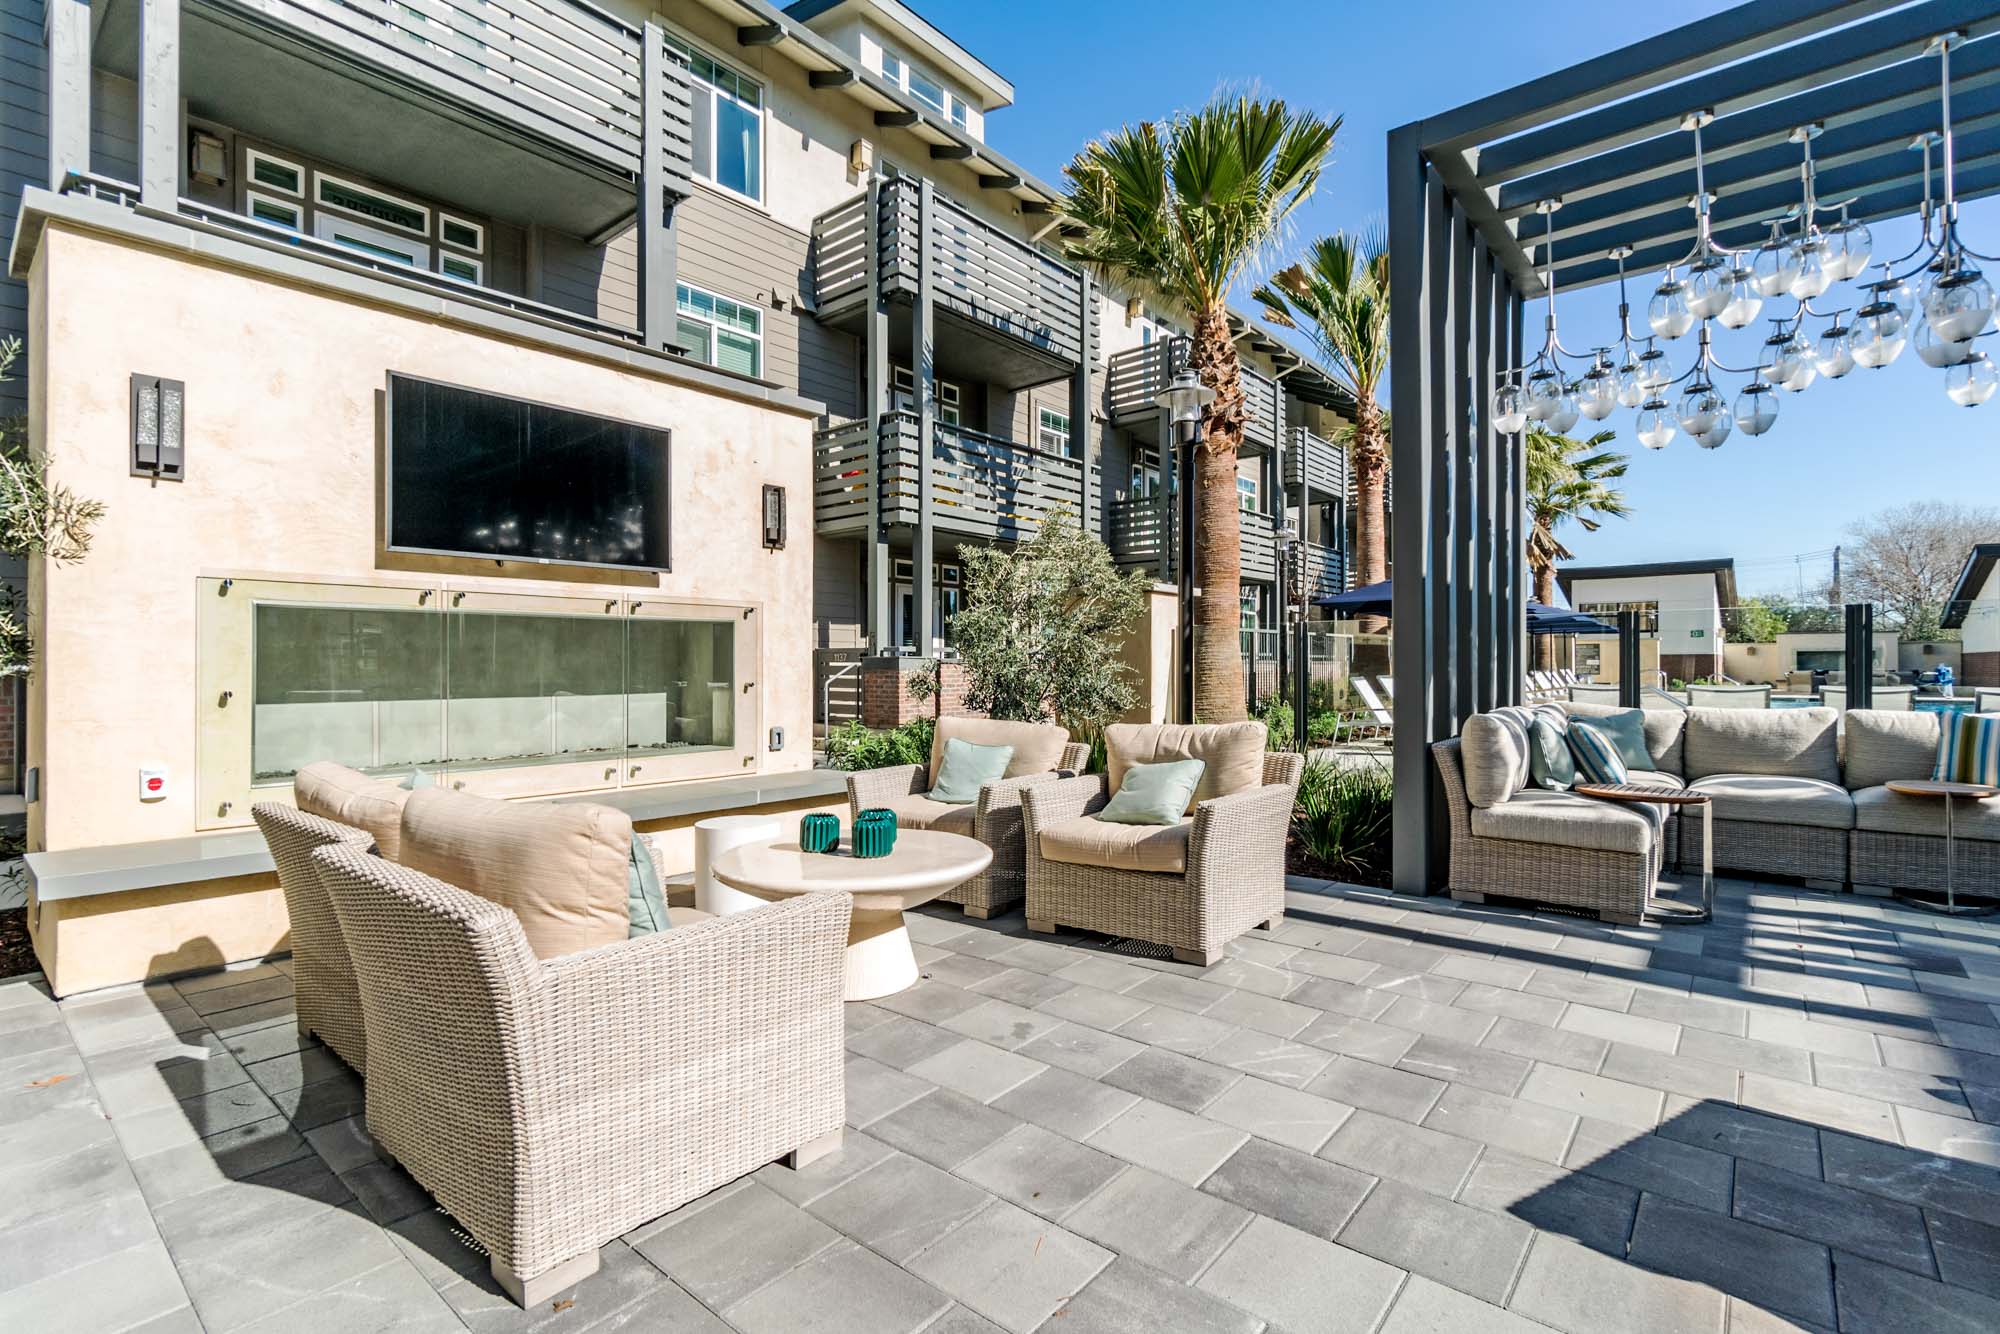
column 1052, row 431
column 371, row 241
column 728, row 124
column 903, row 396
column 459, row 267
column 273, row 173
column 726, row 334
column 333, row 192
column 460, row 233
column 1246, row 492
column 926, row 89
column 278, row 212
column 1649, row 613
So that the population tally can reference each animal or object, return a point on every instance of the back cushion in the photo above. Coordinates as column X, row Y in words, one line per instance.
column 1493, row 751
column 561, row 868
column 1794, row 743
column 348, row 796
column 1233, row 752
column 1038, row 747
column 1883, row 744
column 1665, row 731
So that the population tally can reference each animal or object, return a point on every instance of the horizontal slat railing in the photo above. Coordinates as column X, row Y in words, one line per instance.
column 981, row 486
column 1134, row 531
column 1137, row 375
column 1315, row 460
column 841, row 462
column 1326, row 571
column 840, row 256
column 676, row 119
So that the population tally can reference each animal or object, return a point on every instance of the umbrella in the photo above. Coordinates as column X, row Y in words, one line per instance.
column 1546, row 620
column 1367, row 600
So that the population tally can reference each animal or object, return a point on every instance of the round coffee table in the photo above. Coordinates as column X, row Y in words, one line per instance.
column 1931, row 787
column 1641, row 794
column 925, row 864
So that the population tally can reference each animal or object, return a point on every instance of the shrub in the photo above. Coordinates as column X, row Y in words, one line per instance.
column 1340, row 823
column 852, row 746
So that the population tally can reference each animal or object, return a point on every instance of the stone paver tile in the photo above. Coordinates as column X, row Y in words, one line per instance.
column 1573, row 1091
column 857, row 1153
column 1967, row 1252
column 933, row 1002
column 1336, row 967
column 1932, row 1181
column 276, row 986
column 963, row 1320
column 1170, row 1141
column 1275, row 1112
column 1364, row 1038
column 1093, row 1006
column 323, row 1101
column 1002, row 1023
column 1703, row 1012
column 1338, row 997
column 898, row 1206
column 1584, row 1208
column 1618, row 1026
column 1848, row 1220
column 1279, row 1060
column 1445, row 1021
column 1574, row 1288
column 1879, row 1296
column 1536, row 1042
column 1458, row 1062
column 1572, row 985
column 1169, row 1077
column 225, row 1109
column 1391, row 1092
column 387, row 1193
column 1663, row 1167
column 245, row 1277
column 1042, row 1172
column 1311, row 1194
column 115, row 1291
column 1021, row 986
column 1470, row 1249
column 1822, row 1107
column 1432, row 1308
column 68, row 1232
column 874, row 1090
column 268, row 1202
column 625, row 1282
column 1776, row 1140
column 1418, row 985
column 1509, row 973
column 1066, row 1103
column 1510, row 1004
column 900, row 1041
column 942, row 1127
column 1672, row 1074
column 1950, row 1136
column 392, row 1296
column 1105, row 974
column 1908, row 1088
column 1161, row 1223
column 1178, row 992
column 1401, row 955
column 1263, row 1013
column 1746, row 1054
column 735, row 1246
column 1011, row 1266
column 1082, row 1050
column 980, row 1072
column 961, row 970
column 1129, row 1297
column 1771, row 1269
column 1041, row 956
column 1786, row 1029
column 1383, row 1146
column 294, row 1069
column 343, row 1144
column 1530, row 1129
column 1175, row 1030
column 1301, row 1283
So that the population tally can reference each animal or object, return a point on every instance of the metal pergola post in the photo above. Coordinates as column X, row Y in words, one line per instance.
column 1860, row 655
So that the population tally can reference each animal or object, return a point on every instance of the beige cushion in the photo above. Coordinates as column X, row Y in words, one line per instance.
column 918, row 811
column 1232, row 752
column 1038, row 747
column 1654, row 778
column 687, row 916
column 1494, row 754
column 348, row 796
column 1880, row 811
column 561, row 868
column 1797, row 743
column 1883, row 744
column 1088, row 841
column 1665, row 729
column 1777, row 799
column 1564, row 819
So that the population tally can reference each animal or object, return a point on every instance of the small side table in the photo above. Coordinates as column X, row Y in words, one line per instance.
column 1931, row 787
column 1640, row 794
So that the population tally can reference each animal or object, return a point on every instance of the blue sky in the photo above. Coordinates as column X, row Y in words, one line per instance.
column 1841, row 450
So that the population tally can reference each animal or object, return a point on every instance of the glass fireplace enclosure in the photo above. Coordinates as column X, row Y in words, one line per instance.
column 502, row 694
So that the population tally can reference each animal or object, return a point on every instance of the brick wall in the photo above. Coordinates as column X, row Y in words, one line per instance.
column 886, row 700
column 1979, row 669
column 10, row 695
column 1689, row 666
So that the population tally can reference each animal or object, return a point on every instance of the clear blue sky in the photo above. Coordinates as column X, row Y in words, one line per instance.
column 1841, row 450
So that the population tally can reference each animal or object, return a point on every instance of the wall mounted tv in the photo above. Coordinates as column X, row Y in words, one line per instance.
column 498, row 478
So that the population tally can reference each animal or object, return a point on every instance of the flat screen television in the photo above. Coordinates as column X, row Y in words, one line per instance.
column 500, row 478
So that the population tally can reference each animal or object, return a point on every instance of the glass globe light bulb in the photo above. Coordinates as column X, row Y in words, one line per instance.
column 1756, row 408
column 1779, row 361
column 1509, row 412
column 1801, row 352
column 1959, row 303
column 1743, row 303
column 1654, row 369
column 1544, row 391
column 1714, row 436
column 1900, row 293
column 1668, row 313
column 1810, row 277
column 1700, row 408
column 1849, row 246
column 1631, row 393
column 1774, row 268
column 1708, row 286
column 1563, row 415
column 1597, row 392
column 1972, row 381
column 1655, row 425
column 1938, row 352
column 1880, row 332
column 1834, row 354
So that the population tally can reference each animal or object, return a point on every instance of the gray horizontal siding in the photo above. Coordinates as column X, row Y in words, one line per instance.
column 600, row 281
column 839, row 579
column 114, row 126
column 24, row 132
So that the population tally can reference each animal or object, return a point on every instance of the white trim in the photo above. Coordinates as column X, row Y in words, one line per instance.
column 419, row 253
column 691, row 44
column 478, row 230
column 716, row 331
column 252, row 198
column 1042, row 414
column 252, row 156
column 478, row 278
column 319, row 202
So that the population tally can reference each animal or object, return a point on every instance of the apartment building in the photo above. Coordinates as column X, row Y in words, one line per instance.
column 1680, row 605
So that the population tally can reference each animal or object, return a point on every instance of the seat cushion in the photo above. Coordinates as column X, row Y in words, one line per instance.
column 1885, row 744
column 918, row 811
column 1796, row 743
column 561, row 867
column 1038, row 747
column 1880, row 811
column 1233, row 752
column 1777, row 799
column 348, row 796
column 1665, row 730
column 1567, row 820
column 1493, row 751
column 1655, row 778
column 1088, row 841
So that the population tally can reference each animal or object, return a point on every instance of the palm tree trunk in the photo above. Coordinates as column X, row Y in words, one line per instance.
column 1545, row 593
column 1218, row 557
column 1371, row 473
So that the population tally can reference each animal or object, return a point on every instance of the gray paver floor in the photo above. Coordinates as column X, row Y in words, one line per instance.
column 1388, row 1114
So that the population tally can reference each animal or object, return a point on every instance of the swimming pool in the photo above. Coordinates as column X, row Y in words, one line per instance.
column 1933, row 704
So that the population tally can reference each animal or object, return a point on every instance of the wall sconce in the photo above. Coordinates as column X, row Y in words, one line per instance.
column 774, row 518
column 158, row 412
column 1134, row 308
column 860, row 157
column 208, row 158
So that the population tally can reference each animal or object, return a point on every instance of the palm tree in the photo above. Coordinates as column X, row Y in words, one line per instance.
column 1567, row 483
column 1340, row 297
column 1176, row 212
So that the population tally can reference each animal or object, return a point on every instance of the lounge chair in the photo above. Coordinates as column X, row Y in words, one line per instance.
column 1729, row 697
column 1986, row 699
column 1593, row 694
column 1892, row 699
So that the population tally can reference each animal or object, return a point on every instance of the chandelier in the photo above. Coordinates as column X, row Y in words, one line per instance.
column 1935, row 298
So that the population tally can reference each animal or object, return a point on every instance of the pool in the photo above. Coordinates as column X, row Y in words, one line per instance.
column 1933, row 704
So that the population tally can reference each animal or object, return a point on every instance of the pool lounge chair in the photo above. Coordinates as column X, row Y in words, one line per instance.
column 1986, row 699
column 1729, row 697
column 1581, row 693
column 1891, row 699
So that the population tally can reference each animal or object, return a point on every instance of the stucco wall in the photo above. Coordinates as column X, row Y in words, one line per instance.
column 1982, row 620
column 283, row 386
column 1688, row 605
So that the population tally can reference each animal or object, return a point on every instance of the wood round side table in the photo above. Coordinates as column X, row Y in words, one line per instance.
column 1641, row 794
column 1949, row 792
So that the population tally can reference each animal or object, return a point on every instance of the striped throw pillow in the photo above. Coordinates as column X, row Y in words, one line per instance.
column 1969, row 750
column 1597, row 759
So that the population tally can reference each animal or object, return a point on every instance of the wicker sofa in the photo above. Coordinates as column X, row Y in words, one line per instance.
column 1041, row 753
column 1192, row 887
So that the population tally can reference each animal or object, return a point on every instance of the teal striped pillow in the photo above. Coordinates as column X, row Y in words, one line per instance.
column 1597, row 759
column 1969, row 750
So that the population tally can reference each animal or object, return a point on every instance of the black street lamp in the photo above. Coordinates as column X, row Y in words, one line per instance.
column 1183, row 401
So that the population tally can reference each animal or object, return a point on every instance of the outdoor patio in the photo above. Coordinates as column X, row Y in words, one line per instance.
column 1390, row 1114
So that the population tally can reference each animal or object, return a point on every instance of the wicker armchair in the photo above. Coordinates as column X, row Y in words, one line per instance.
column 995, row 820
column 1235, row 876
column 553, row 1105
column 329, row 1004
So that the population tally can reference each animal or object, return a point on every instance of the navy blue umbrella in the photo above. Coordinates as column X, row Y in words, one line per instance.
column 1367, row 600
column 1546, row 620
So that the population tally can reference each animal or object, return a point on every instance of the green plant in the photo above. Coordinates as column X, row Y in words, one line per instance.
column 37, row 517
column 1340, row 821
column 852, row 746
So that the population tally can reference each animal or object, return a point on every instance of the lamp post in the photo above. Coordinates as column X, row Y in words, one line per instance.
column 1292, row 596
column 1183, row 402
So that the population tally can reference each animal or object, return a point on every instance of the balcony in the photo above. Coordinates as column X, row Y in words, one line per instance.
column 1135, row 527
column 1137, row 375
column 1009, row 314
column 1316, row 462
column 982, row 486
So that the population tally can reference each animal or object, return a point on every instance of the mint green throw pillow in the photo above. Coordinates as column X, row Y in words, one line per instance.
column 645, row 900
column 1154, row 793
column 1549, row 762
column 965, row 769
column 1626, row 731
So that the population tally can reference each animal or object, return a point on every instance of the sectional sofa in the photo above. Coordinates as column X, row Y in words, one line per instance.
column 1798, row 795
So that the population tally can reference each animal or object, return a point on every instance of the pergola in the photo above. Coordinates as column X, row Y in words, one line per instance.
column 1468, row 195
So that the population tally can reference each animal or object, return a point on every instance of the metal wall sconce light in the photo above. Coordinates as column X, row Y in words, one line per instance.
column 774, row 518
column 158, row 423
